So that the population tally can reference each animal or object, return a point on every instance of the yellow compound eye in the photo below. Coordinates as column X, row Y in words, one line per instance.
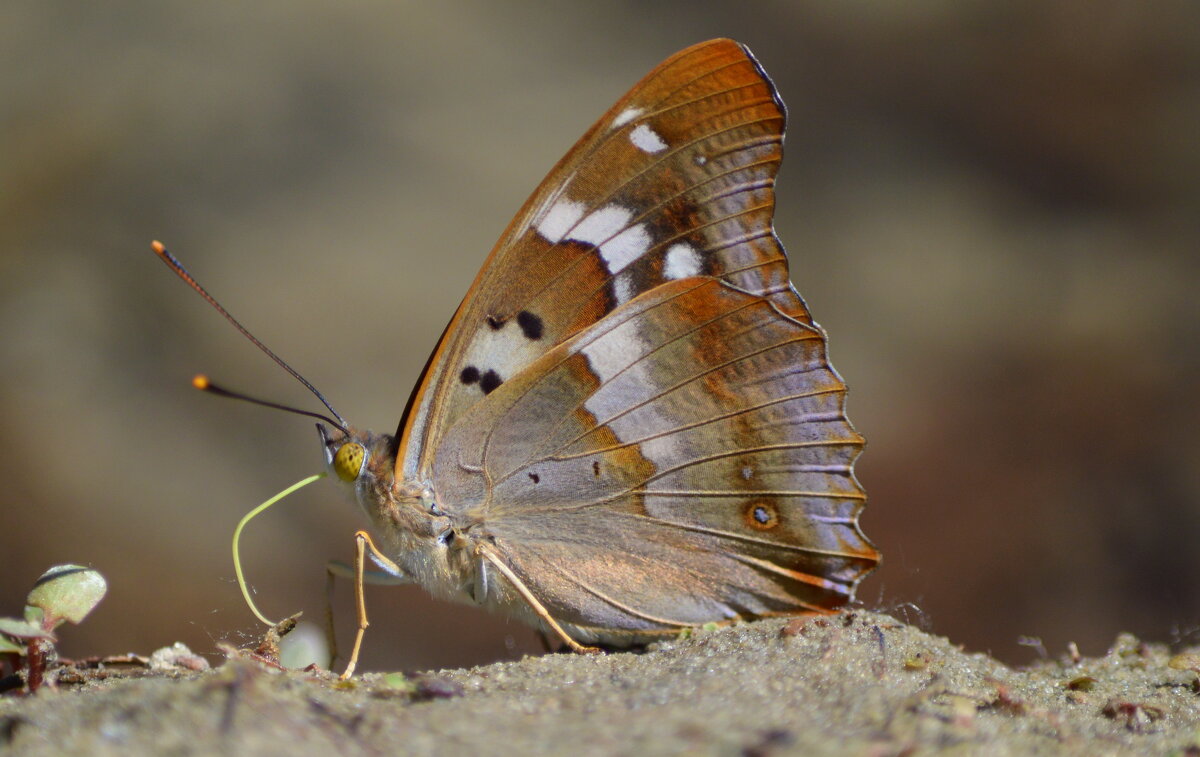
column 348, row 462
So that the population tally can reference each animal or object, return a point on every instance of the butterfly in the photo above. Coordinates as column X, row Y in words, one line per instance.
column 630, row 426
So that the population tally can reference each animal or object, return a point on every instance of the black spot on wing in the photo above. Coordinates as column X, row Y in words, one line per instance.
column 469, row 375
column 531, row 325
column 489, row 381
column 496, row 323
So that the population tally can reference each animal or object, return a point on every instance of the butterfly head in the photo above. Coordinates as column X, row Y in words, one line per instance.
column 366, row 461
column 355, row 457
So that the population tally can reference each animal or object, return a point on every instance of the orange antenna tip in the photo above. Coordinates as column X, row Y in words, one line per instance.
column 158, row 247
column 200, row 381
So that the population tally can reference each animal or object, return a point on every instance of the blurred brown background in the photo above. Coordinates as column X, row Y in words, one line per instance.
column 993, row 207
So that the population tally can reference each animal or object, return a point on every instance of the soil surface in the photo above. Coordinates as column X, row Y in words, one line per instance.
column 855, row 683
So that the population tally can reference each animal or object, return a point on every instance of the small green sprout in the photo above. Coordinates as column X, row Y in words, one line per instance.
column 63, row 593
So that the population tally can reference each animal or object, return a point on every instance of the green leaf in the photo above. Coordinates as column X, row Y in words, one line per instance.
column 68, row 592
column 23, row 629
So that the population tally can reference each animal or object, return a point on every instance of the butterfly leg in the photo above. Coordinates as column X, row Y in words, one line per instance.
column 362, row 542
column 485, row 551
column 330, row 630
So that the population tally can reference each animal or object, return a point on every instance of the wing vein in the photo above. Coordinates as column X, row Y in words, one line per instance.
column 694, row 424
column 573, row 578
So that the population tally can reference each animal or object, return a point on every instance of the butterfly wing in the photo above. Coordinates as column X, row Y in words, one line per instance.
column 632, row 404
column 684, row 460
column 676, row 180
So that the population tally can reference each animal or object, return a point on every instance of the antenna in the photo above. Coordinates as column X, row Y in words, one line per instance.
column 202, row 382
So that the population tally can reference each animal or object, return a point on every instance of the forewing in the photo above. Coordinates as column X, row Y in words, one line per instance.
column 685, row 460
column 675, row 181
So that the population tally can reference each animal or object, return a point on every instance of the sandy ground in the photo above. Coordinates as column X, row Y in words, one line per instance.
column 857, row 683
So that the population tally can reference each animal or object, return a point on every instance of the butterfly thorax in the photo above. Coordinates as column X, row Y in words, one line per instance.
column 428, row 545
